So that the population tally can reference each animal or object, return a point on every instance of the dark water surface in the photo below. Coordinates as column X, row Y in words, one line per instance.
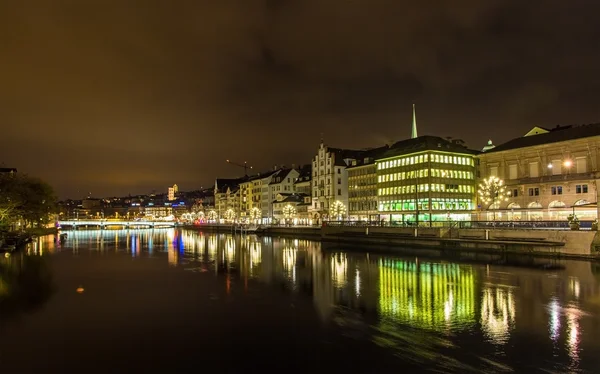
column 173, row 301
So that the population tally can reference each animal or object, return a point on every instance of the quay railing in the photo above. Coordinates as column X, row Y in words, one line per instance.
column 585, row 225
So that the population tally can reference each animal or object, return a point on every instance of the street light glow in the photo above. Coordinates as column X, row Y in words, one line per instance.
column 568, row 163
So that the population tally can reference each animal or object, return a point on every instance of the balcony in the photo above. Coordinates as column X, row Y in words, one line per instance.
column 553, row 178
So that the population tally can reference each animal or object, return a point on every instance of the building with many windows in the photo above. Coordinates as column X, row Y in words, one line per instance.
column 362, row 186
column 549, row 174
column 330, row 178
column 426, row 179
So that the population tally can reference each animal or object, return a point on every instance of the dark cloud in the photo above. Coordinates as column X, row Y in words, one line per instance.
column 130, row 96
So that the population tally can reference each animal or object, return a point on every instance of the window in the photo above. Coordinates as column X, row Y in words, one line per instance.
column 339, row 170
column 556, row 190
column 581, row 188
column 515, row 192
column 534, row 191
column 493, row 171
column 512, row 171
column 556, row 167
column 534, row 170
column 339, row 192
column 339, row 180
column 581, row 163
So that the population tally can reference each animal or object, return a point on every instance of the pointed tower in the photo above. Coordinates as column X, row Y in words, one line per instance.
column 413, row 133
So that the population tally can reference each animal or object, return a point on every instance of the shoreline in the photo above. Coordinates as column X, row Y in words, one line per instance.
column 581, row 245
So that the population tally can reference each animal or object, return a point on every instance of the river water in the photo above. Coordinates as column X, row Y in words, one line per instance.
column 180, row 301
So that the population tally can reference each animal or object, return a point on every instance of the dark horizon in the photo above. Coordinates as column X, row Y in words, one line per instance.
column 113, row 98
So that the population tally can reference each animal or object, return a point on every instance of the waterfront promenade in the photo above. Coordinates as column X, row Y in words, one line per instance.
column 527, row 240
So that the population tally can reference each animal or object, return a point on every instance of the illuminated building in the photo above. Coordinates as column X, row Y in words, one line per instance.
column 426, row 179
column 362, row 187
column 297, row 201
column 550, row 173
column 227, row 195
column 281, row 182
column 330, row 177
column 172, row 191
column 427, row 295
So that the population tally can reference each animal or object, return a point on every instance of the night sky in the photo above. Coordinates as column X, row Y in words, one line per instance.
column 117, row 97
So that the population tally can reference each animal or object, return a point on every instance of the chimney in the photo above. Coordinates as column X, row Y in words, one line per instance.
column 274, row 167
column 293, row 166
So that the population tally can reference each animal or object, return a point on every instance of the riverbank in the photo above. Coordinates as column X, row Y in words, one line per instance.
column 12, row 241
column 548, row 243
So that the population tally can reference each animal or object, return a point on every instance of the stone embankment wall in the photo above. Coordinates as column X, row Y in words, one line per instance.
column 527, row 241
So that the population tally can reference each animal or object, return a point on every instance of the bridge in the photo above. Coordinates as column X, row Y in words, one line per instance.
column 104, row 223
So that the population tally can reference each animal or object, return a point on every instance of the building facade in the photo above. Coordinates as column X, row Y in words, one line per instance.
column 548, row 173
column 425, row 180
column 362, row 187
column 330, row 178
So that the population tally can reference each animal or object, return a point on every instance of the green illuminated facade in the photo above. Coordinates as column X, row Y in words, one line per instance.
column 427, row 295
column 427, row 175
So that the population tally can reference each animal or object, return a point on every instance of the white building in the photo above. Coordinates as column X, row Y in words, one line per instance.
column 330, row 178
column 172, row 191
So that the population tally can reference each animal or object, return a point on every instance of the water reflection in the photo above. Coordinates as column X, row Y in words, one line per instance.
column 425, row 308
column 497, row 313
column 26, row 282
column 428, row 295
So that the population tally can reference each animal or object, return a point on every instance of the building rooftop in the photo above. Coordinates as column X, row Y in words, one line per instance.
column 554, row 135
column 370, row 156
column 8, row 170
column 427, row 143
column 221, row 185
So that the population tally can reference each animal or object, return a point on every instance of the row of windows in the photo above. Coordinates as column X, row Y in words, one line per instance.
column 554, row 167
column 362, row 193
column 361, row 172
column 363, row 205
column 339, row 192
column 423, row 173
column 412, row 160
column 362, row 182
column 436, row 204
column 554, row 190
column 435, row 187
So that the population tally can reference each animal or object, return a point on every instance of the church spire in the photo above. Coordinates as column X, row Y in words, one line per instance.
column 413, row 133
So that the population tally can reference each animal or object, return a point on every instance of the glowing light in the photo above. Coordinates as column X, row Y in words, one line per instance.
column 492, row 191
column 497, row 314
column 339, row 269
column 80, row 290
column 357, row 283
column 230, row 250
column 230, row 214
column 427, row 295
column 568, row 163
column 554, row 323
column 338, row 209
column 255, row 214
column 212, row 216
column 573, row 334
column 289, row 211
column 575, row 287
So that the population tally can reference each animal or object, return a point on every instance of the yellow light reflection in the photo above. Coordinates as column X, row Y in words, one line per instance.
column 255, row 253
column 172, row 256
column 497, row 313
column 230, row 250
column 427, row 295
column 554, row 323
column 213, row 245
column 289, row 263
column 573, row 332
column 339, row 270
